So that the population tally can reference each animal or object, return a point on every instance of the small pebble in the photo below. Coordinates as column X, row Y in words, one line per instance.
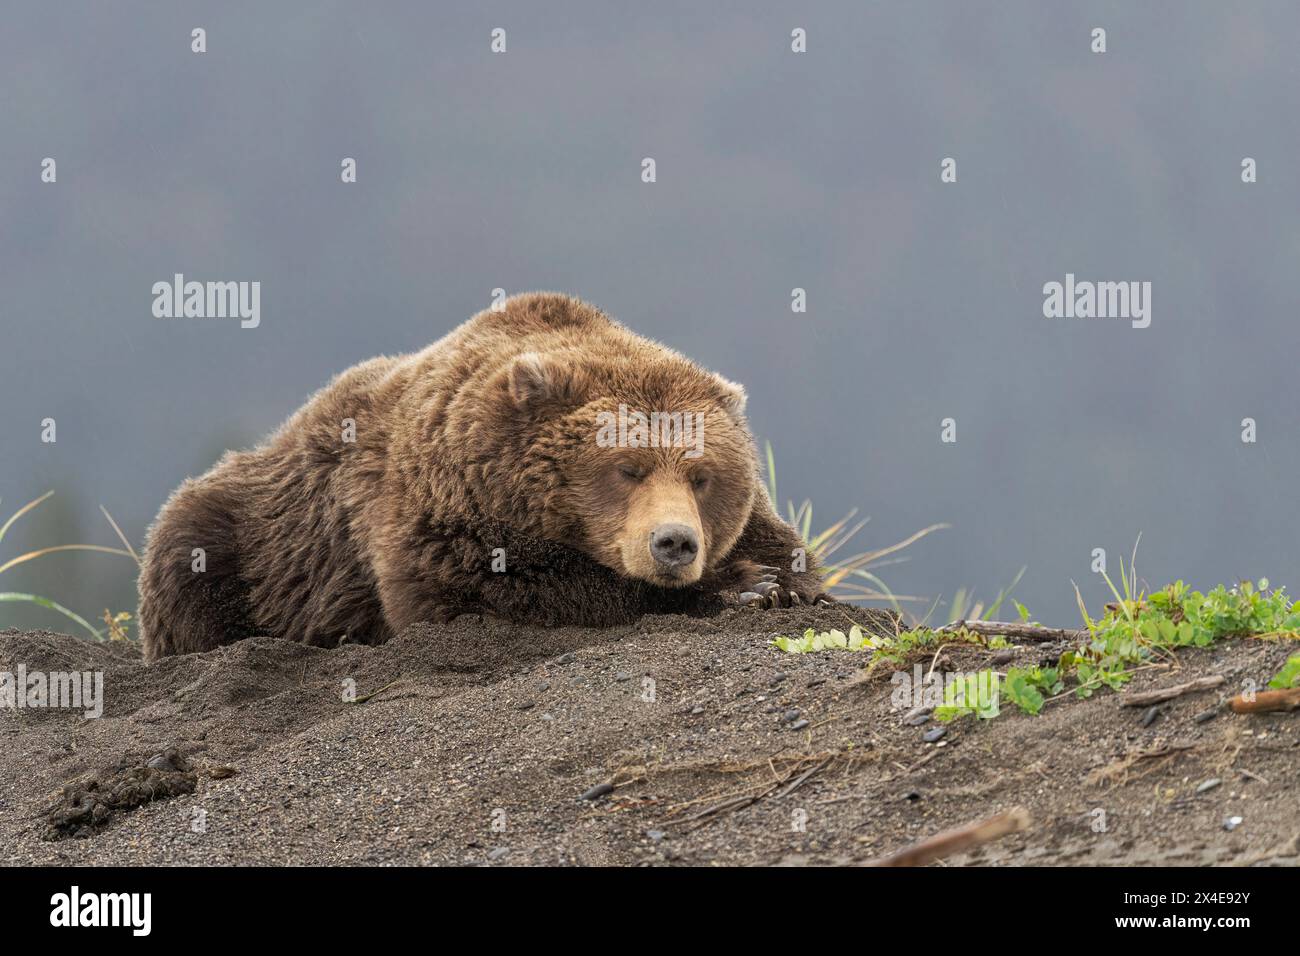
column 622, row 676
column 656, row 836
column 567, row 658
column 1209, row 785
column 1004, row 657
column 917, row 716
column 934, row 734
column 791, row 715
column 799, row 725
column 696, row 711
column 499, row 852
column 1231, row 823
column 1150, row 716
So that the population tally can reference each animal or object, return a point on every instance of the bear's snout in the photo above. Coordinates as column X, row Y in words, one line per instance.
column 662, row 539
column 674, row 545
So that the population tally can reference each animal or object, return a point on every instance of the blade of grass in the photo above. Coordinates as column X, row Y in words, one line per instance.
column 1006, row 592
column 930, row 613
column 1133, row 561
column 771, row 474
column 870, row 557
column 865, row 593
column 22, row 511
column 53, row 606
column 120, row 536
column 890, row 563
column 959, row 611
column 834, row 538
column 1083, row 609
column 62, row 547
column 1119, row 599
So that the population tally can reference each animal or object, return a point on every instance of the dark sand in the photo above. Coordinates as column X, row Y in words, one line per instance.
column 482, row 737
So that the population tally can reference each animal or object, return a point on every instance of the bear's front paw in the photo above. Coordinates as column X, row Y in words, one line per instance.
column 768, row 592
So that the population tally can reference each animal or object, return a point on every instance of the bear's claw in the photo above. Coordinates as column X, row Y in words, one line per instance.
column 768, row 594
column 757, row 585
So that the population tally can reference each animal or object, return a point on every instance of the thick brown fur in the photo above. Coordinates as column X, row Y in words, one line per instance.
column 478, row 450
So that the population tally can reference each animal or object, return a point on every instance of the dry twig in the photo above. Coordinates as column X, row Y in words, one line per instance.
column 958, row 840
column 1267, row 701
column 1149, row 697
column 1017, row 630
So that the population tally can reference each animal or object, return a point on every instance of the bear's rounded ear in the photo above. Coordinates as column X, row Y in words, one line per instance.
column 733, row 397
column 534, row 379
column 528, row 380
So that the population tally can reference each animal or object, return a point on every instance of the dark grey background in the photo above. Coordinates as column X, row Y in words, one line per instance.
column 775, row 170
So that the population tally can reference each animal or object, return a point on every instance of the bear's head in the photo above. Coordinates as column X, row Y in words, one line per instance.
column 643, row 462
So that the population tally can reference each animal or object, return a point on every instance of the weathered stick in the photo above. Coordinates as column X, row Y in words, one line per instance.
column 1267, row 700
column 365, row 697
column 955, row 841
column 1148, row 697
column 1026, row 632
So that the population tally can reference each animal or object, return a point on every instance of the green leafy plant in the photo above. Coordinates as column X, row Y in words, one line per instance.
column 813, row 641
column 1139, row 628
column 970, row 694
column 1134, row 631
column 1026, row 686
column 1288, row 676
column 901, row 649
column 897, row 649
column 115, row 624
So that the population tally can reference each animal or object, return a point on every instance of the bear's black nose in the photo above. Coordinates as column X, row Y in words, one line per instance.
column 674, row 545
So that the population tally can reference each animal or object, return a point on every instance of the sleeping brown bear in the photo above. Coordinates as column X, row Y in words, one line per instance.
column 540, row 462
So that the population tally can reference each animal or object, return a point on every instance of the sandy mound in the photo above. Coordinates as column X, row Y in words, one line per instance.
column 481, row 739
